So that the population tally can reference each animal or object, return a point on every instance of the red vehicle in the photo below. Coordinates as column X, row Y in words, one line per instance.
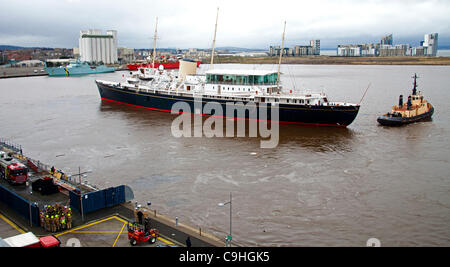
column 138, row 234
column 166, row 65
column 30, row 240
column 49, row 241
column 13, row 171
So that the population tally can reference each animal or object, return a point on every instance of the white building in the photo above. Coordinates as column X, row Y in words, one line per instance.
column 315, row 44
column 431, row 44
column 76, row 52
column 349, row 50
column 98, row 47
column 126, row 55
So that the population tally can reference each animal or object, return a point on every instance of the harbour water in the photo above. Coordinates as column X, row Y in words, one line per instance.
column 318, row 187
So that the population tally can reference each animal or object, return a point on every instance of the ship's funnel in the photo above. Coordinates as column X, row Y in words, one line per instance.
column 187, row 67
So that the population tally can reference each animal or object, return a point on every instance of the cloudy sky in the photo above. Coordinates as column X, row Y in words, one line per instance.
column 242, row 23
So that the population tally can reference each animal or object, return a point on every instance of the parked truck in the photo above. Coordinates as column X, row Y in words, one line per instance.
column 30, row 240
column 12, row 170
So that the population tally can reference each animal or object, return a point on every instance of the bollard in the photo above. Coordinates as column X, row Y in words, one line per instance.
column 176, row 221
column 200, row 231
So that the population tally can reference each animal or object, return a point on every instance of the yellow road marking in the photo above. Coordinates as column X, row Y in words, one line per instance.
column 96, row 232
column 117, row 218
column 165, row 241
column 117, row 238
column 77, row 230
column 84, row 226
column 12, row 224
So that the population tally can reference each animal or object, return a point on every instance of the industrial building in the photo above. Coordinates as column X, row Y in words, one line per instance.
column 96, row 47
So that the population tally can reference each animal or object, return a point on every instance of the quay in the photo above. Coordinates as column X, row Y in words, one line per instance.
column 103, row 227
column 17, row 72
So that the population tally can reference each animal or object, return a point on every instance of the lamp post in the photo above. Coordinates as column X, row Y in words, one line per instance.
column 229, row 238
column 81, row 174
column 29, row 184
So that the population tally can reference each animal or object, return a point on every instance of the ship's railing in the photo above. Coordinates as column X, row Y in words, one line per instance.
column 241, row 83
column 11, row 145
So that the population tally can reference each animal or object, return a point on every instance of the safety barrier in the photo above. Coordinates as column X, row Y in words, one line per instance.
column 10, row 145
column 20, row 205
column 101, row 199
column 36, row 165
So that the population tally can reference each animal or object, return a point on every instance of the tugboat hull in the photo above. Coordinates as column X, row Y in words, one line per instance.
column 399, row 121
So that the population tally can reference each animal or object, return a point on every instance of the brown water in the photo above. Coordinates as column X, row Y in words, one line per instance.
column 318, row 187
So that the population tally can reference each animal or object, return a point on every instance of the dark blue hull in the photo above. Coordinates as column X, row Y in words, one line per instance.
column 399, row 121
column 340, row 116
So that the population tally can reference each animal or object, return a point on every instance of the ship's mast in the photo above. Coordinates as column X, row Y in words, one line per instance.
column 154, row 43
column 415, row 84
column 214, row 41
column 281, row 55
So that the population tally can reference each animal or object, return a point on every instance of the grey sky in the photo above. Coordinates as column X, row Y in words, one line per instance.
column 243, row 23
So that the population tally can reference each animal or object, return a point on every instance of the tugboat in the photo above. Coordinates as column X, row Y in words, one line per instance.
column 416, row 109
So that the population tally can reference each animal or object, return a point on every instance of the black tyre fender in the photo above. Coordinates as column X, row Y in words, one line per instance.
column 133, row 242
column 152, row 240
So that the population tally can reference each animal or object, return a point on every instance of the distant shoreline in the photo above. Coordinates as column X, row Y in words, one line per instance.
column 334, row 60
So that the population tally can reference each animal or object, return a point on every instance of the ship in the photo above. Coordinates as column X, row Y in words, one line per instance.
column 77, row 68
column 414, row 110
column 258, row 91
column 165, row 65
column 255, row 89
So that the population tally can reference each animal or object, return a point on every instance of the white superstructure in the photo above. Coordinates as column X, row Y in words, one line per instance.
column 94, row 46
